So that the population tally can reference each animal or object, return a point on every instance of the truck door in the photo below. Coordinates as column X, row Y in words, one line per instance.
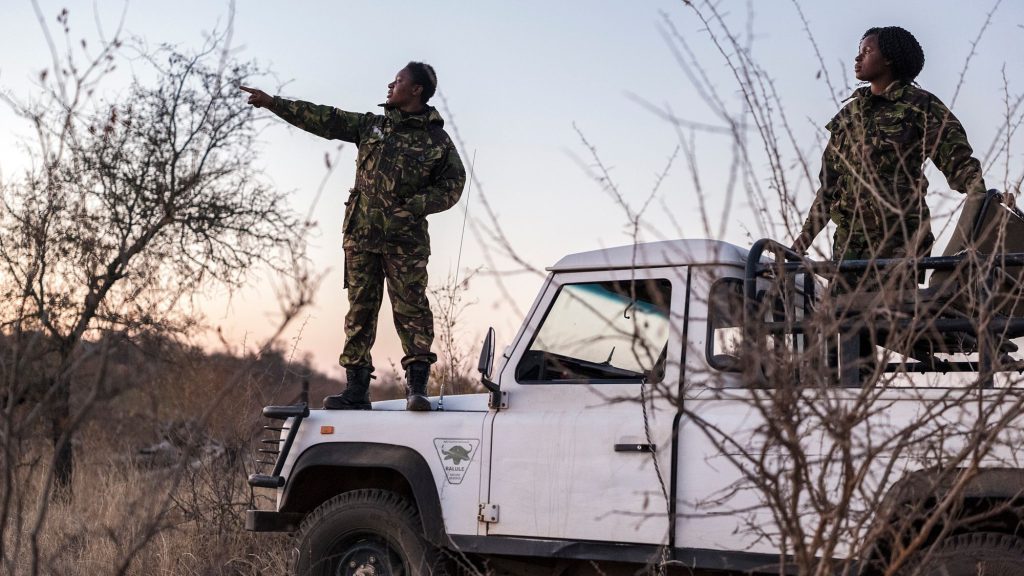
column 583, row 451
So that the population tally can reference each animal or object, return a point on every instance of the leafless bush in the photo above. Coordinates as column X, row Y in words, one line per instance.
column 875, row 460
column 871, row 463
column 453, row 372
column 130, row 206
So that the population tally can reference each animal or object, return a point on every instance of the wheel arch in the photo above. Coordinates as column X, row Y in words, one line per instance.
column 916, row 494
column 992, row 483
column 325, row 470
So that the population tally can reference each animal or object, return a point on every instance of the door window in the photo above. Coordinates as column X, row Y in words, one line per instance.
column 601, row 332
column 725, row 343
column 725, row 325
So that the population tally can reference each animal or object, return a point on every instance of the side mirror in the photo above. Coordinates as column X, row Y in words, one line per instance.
column 486, row 363
column 485, row 366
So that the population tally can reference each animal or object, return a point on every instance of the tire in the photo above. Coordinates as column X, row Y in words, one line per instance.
column 973, row 554
column 365, row 533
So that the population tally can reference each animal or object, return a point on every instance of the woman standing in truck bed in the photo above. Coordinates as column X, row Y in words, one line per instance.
column 872, row 183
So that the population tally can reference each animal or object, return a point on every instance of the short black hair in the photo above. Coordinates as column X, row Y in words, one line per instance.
column 424, row 75
column 901, row 49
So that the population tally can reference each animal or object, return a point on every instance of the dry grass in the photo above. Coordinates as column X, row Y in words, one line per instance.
column 181, row 513
column 126, row 519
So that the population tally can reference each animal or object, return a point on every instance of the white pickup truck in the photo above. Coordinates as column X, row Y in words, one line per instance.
column 622, row 430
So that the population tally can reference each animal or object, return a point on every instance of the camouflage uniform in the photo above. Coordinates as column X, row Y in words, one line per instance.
column 406, row 168
column 872, row 180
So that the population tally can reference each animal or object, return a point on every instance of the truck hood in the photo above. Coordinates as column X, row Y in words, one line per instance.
column 456, row 403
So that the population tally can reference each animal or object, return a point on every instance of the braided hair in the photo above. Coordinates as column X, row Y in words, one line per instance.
column 424, row 75
column 901, row 49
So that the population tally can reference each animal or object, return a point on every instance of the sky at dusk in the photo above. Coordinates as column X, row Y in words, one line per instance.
column 524, row 82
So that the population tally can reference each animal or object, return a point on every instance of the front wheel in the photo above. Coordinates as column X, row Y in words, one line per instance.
column 973, row 554
column 365, row 533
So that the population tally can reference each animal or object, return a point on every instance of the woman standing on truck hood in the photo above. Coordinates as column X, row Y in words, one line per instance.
column 872, row 183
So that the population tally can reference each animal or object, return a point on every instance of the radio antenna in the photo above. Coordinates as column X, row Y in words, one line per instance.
column 458, row 264
column 465, row 215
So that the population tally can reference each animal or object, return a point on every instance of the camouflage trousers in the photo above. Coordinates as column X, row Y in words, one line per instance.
column 862, row 244
column 406, row 276
column 874, row 288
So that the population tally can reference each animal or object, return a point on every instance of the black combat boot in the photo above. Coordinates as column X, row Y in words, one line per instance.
column 416, row 375
column 357, row 393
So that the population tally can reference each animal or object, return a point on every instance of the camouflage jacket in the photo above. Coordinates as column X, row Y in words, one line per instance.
column 406, row 168
column 872, row 179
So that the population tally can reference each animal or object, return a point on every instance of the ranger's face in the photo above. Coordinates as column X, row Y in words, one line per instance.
column 402, row 93
column 870, row 65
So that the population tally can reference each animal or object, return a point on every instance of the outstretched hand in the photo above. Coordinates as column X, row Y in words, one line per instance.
column 257, row 97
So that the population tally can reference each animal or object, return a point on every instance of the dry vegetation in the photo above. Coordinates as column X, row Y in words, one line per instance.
column 121, row 449
column 159, row 483
column 129, row 385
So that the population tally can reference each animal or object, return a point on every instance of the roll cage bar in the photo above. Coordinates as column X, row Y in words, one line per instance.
column 987, row 329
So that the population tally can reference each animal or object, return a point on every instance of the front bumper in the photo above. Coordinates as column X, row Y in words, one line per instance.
column 271, row 521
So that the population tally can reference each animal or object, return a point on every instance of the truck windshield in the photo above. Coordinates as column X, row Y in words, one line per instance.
column 601, row 331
